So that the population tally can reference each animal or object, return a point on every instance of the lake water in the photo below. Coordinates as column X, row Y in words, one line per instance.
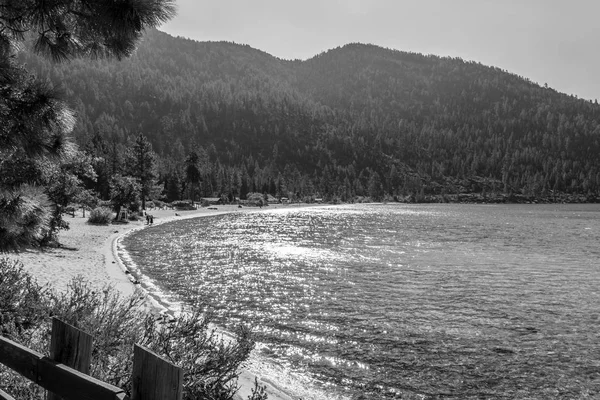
column 398, row 301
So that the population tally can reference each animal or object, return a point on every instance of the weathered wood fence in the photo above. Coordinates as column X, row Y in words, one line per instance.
column 64, row 373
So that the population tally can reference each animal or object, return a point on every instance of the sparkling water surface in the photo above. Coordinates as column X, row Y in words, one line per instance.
column 399, row 301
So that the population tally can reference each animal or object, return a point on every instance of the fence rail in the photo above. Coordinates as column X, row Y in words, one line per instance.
column 5, row 396
column 153, row 377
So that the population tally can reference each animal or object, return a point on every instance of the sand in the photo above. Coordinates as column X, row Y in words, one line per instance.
column 90, row 251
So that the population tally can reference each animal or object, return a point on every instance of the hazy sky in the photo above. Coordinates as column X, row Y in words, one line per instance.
column 548, row 41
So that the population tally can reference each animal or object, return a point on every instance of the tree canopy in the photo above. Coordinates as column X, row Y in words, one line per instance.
column 34, row 121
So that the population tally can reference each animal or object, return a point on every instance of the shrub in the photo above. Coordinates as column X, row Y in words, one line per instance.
column 363, row 199
column 159, row 204
column 182, row 205
column 114, row 322
column 210, row 364
column 100, row 216
column 22, row 302
column 256, row 199
column 23, row 308
column 133, row 216
column 150, row 204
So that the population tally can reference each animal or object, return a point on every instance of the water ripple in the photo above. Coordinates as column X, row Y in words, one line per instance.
column 401, row 301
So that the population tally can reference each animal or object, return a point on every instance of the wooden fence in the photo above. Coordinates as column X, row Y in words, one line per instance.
column 64, row 373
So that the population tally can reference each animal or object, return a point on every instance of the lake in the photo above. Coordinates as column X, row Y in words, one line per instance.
column 397, row 301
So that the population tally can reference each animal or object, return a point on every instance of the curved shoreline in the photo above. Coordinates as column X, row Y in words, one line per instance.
column 91, row 251
column 246, row 378
column 160, row 217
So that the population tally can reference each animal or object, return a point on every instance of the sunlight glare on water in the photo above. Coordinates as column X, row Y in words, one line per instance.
column 401, row 301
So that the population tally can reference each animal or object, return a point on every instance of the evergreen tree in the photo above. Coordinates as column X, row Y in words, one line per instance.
column 375, row 187
column 98, row 149
column 192, row 173
column 142, row 166
column 34, row 122
column 173, row 187
column 244, row 187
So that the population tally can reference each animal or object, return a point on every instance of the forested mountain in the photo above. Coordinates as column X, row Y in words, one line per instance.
column 359, row 120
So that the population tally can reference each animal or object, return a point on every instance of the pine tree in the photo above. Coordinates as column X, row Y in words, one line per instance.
column 375, row 187
column 34, row 123
column 173, row 187
column 141, row 163
column 192, row 173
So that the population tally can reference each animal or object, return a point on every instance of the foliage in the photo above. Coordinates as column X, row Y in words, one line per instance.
column 158, row 203
column 125, row 192
column 25, row 215
column 34, row 122
column 66, row 178
column 33, row 126
column 256, row 199
column 87, row 199
column 23, row 308
column 21, row 299
column 141, row 164
column 65, row 186
column 183, row 205
column 100, row 216
column 192, row 173
column 190, row 339
column 133, row 216
column 72, row 28
column 210, row 364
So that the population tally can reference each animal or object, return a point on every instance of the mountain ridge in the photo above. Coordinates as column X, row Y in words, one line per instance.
column 357, row 120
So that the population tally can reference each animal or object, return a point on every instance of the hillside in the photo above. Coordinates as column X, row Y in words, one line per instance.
column 359, row 120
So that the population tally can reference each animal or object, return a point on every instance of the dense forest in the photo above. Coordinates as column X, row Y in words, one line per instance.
column 359, row 121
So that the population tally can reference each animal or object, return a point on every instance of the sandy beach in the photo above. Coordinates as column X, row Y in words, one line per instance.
column 90, row 251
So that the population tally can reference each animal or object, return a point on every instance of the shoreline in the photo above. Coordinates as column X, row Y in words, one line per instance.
column 91, row 251
column 160, row 217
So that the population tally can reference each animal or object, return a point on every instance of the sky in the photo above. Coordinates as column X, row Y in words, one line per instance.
column 548, row 41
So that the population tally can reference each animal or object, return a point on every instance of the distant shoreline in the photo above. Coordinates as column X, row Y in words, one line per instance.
column 495, row 198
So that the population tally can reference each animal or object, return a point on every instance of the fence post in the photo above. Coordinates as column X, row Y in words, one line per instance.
column 71, row 347
column 154, row 378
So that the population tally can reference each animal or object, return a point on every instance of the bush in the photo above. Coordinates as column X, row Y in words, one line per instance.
column 22, row 304
column 23, row 308
column 210, row 364
column 100, row 216
column 133, row 216
column 182, row 205
column 257, row 199
column 159, row 204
